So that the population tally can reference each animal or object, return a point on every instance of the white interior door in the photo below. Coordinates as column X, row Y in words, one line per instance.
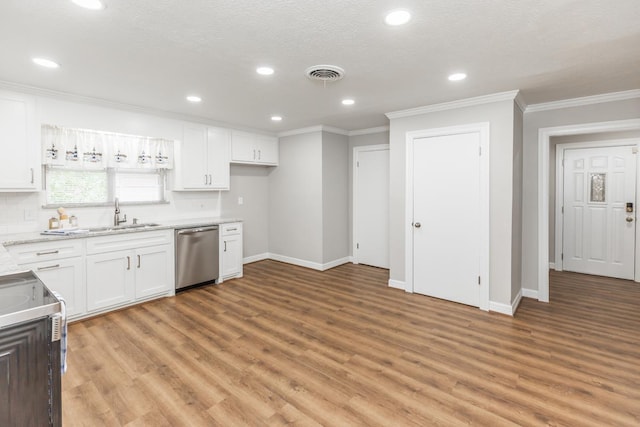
column 447, row 217
column 598, row 232
column 371, row 208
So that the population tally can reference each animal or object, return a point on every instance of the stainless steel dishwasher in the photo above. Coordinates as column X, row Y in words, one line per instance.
column 197, row 256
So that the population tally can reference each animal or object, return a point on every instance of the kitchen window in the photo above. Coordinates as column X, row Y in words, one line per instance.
column 69, row 187
column 88, row 168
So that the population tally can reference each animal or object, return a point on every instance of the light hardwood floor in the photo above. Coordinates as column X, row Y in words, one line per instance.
column 287, row 345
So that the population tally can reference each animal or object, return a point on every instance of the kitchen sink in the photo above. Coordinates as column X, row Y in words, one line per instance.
column 124, row 227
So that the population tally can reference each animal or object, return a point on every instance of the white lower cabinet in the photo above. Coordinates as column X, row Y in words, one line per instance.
column 110, row 280
column 66, row 277
column 142, row 268
column 60, row 265
column 95, row 274
column 154, row 270
column 230, row 251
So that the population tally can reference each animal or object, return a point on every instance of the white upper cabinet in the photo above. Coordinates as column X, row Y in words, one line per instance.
column 250, row 148
column 202, row 159
column 19, row 160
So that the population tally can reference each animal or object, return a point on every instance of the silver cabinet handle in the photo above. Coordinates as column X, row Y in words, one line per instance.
column 417, row 225
column 225, row 246
column 232, row 229
column 138, row 261
column 259, row 155
column 254, row 154
column 49, row 267
column 32, row 177
column 128, row 263
column 47, row 253
column 210, row 179
column 205, row 179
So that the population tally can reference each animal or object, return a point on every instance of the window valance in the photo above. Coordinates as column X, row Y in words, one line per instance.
column 90, row 149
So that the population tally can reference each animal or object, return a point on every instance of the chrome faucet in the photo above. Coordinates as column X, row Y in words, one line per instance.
column 116, row 218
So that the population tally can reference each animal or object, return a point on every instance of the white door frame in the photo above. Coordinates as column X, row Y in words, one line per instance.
column 559, row 228
column 483, row 130
column 354, row 207
column 544, row 142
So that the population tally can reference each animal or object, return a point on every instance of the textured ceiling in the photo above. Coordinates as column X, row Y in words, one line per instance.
column 152, row 53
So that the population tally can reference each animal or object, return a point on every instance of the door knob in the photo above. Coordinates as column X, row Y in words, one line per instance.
column 417, row 225
column 629, row 219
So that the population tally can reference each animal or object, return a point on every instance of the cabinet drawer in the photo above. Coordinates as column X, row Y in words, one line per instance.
column 46, row 251
column 119, row 242
column 65, row 276
column 231, row 228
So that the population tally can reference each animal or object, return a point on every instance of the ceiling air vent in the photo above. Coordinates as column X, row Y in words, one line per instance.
column 325, row 73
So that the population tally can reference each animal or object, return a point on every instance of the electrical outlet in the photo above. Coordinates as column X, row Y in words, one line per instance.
column 240, row 200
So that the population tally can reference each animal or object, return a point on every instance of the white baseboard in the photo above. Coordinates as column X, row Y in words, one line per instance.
column 530, row 293
column 397, row 284
column 309, row 264
column 335, row 263
column 255, row 258
column 552, row 266
column 507, row 309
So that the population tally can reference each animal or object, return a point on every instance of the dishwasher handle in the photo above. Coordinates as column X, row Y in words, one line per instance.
column 197, row 230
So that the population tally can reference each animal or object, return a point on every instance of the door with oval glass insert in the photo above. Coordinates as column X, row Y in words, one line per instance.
column 598, row 230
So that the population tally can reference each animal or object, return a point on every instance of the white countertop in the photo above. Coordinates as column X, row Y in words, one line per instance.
column 7, row 265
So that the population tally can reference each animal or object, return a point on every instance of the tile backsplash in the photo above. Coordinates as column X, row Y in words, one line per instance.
column 23, row 212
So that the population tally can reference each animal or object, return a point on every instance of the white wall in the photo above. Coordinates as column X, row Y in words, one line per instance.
column 295, row 199
column 251, row 183
column 533, row 121
column 308, row 200
column 500, row 116
column 335, row 197
column 516, row 217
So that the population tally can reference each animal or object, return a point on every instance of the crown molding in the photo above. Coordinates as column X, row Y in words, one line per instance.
column 520, row 102
column 332, row 129
column 312, row 129
column 468, row 102
column 369, row 131
column 99, row 102
column 585, row 100
column 300, row 131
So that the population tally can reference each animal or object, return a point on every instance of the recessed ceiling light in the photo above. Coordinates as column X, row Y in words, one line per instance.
column 194, row 98
column 43, row 62
column 397, row 17
column 455, row 77
column 90, row 4
column 348, row 102
column 265, row 71
column 276, row 118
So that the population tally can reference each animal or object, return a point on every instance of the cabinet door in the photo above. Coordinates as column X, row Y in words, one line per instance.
column 65, row 276
column 242, row 147
column 231, row 256
column 266, row 150
column 154, row 270
column 110, row 279
column 193, row 166
column 219, row 141
column 18, row 160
